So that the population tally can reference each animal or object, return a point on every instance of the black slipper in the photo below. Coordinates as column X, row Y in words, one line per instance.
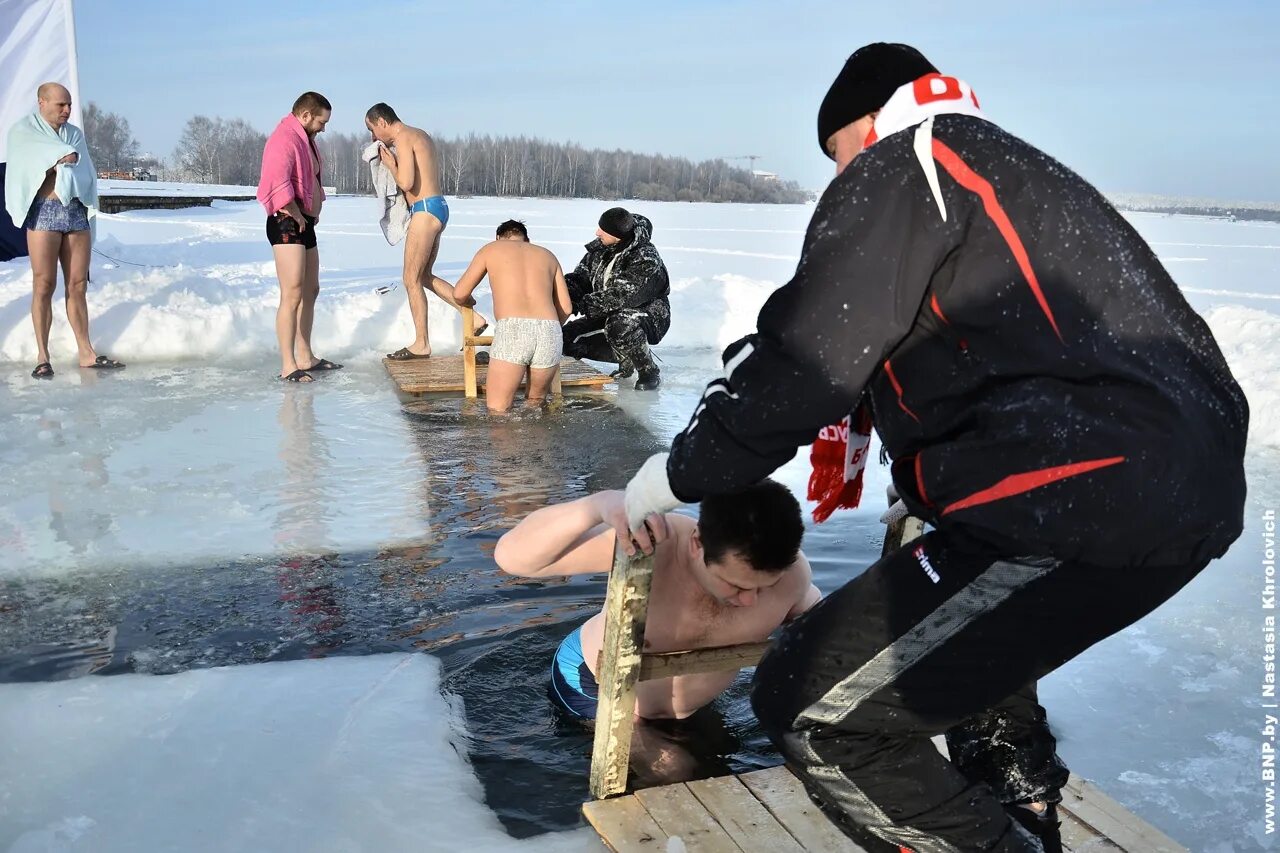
column 103, row 363
column 44, row 370
column 403, row 354
column 325, row 364
column 299, row 376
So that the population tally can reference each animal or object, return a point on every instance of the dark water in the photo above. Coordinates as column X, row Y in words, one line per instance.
column 443, row 595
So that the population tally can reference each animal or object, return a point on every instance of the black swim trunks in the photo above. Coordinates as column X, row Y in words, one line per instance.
column 282, row 230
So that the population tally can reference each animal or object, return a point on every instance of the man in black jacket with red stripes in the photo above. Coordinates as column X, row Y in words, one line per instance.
column 1053, row 407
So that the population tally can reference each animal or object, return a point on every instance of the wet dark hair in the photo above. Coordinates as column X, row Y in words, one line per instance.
column 513, row 226
column 761, row 524
column 381, row 111
column 311, row 102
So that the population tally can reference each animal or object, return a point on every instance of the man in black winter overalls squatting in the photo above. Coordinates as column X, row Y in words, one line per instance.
column 620, row 288
column 1054, row 409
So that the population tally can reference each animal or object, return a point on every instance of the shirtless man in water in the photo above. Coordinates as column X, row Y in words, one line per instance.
column 732, row 576
column 531, row 302
column 417, row 174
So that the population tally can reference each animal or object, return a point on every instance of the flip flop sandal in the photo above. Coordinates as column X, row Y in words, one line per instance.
column 103, row 363
column 403, row 354
column 325, row 364
column 298, row 376
column 44, row 370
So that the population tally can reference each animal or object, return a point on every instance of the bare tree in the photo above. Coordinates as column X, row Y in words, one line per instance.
column 218, row 150
column 111, row 143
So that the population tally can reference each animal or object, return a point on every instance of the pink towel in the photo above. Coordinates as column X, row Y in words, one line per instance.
column 287, row 167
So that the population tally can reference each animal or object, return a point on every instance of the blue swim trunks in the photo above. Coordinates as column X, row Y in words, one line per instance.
column 435, row 205
column 50, row 214
column 573, row 687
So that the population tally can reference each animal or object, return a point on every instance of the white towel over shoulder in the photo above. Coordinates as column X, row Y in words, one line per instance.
column 395, row 210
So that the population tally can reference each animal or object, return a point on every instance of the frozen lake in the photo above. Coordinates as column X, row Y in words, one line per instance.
column 292, row 591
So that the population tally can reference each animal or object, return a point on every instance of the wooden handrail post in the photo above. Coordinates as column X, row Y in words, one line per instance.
column 900, row 532
column 626, row 605
column 469, row 384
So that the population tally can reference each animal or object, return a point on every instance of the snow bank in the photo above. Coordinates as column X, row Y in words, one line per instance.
column 1248, row 339
column 200, row 283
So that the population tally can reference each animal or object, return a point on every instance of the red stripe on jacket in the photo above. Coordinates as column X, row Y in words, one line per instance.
column 1016, row 484
column 897, row 386
column 975, row 183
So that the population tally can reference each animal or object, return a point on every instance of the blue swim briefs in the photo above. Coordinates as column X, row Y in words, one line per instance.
column 435, row 205
column 573, row 687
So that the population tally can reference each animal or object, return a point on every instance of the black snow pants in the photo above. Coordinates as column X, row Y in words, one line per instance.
column 940, row 638
column 623, row 336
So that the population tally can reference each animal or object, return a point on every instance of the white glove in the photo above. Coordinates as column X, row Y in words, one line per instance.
column 897, row 512
column 649, row 491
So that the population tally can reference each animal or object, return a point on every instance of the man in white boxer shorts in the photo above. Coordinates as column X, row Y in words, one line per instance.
column 531, row 303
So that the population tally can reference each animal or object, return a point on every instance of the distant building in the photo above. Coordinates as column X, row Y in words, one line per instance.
column 760, row 175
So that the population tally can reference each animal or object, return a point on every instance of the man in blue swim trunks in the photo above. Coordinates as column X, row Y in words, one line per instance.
column 732, row 576
column 417, row 173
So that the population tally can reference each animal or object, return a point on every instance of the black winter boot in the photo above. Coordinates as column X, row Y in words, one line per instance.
column 650, row 378
column 625, row 369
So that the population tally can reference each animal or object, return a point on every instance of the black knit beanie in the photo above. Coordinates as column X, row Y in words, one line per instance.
column 616, row 222
column 867, row 81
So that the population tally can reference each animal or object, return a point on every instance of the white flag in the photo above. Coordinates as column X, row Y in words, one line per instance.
column 37, row 45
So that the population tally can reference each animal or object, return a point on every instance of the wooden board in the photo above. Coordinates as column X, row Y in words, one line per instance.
column 1086, row 803
column 678, row 812
column 744, row 817
column 786, row 799
column 625, row 826
column 445, row 373
column 721, row 815
column 626, row 603
column 667, row 664
column 769, row 810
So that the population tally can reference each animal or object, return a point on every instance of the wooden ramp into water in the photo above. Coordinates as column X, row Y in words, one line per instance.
column 454, row 373
column 445, row 373
column 768, row 811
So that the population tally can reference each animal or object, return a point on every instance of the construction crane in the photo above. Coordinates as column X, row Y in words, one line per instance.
column 752, row 157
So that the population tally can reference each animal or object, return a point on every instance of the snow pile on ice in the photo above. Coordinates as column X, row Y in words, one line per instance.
column 1248, row 339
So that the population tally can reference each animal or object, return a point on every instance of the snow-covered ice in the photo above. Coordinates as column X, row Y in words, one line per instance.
column 338, row 755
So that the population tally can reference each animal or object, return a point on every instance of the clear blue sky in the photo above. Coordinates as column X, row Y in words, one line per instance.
column 1169, row 97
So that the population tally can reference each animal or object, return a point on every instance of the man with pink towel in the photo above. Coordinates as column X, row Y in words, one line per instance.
column 290, row 190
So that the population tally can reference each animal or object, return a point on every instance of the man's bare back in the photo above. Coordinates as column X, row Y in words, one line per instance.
column 526, row 281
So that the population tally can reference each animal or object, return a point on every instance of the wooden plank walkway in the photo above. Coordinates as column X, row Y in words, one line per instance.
column 445, row 373
column 768, row 810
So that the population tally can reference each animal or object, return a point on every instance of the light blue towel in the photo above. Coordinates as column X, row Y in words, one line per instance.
column 34, row 148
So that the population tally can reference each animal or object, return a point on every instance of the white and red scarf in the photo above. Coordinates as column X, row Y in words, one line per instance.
column 839, row 454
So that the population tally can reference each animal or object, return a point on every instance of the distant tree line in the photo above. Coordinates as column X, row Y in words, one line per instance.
column 1265, row 211
column 229, row 151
